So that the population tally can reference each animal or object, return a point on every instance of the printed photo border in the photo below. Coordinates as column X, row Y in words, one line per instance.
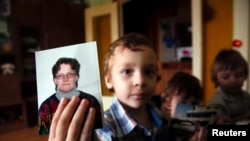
column 89, row 80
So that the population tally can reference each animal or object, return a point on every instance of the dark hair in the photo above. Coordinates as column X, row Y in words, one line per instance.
column 183, row 82
column 131, row 41
column 228, row 59
column 75, row 65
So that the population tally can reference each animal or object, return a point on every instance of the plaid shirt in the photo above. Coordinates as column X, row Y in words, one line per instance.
column 120, row 125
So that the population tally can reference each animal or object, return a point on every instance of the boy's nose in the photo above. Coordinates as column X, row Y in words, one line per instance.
column 139, row 79
column 233, row 79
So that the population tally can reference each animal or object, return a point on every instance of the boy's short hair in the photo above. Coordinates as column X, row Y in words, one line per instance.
column 228, row 59
column 183, row 82
column 131, row 41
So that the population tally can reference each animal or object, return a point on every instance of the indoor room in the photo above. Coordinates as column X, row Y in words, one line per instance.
column 187, row 35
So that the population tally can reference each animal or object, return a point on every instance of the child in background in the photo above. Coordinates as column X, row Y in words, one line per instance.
column 229, row 71
column 183, row 88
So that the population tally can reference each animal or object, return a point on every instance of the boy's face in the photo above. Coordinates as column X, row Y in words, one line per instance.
column 133, row 76
column 66, row 78
column 231, row 81
column 170, row 104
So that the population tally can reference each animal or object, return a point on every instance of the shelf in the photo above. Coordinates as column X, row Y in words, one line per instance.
column 11, row 86
column 177, row 65
column 29, row 44
column 10, row 53
column 12, row 126
column 7, row 58
column 29, row 89
column 28, row 79
column 12, row 116
column 34, row 26
column 10, row 101
column 32, row 109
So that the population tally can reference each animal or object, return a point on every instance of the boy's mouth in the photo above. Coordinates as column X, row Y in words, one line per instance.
column 138, row 96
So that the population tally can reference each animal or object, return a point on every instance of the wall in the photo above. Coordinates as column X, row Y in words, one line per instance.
column 241, row 30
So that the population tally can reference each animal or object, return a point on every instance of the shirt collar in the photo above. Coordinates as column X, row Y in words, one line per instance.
column 125, row 121
column 230, row 98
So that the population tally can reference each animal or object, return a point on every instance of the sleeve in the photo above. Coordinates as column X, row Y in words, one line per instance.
column 44, row 119
column 95, row 104
column 46, row 113
column 98, row 120
column 218, row 103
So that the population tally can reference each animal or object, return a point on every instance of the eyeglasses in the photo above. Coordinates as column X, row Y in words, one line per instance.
column 63, row 76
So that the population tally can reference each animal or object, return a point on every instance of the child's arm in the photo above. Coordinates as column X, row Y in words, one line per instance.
column 68, row 120
column 224, row 119
column 199, row 135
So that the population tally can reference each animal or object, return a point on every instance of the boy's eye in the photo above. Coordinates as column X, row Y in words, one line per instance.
column 238, row 75
column 150, row 72
column 225, row 76
column 126, row 71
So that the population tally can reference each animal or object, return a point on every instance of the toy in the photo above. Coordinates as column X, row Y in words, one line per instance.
column 7, row 68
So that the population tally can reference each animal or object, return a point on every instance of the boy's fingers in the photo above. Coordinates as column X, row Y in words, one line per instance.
column 66, row 116
column 86, row 133
column 69, row 121
column 56, row 117
column 78, row 120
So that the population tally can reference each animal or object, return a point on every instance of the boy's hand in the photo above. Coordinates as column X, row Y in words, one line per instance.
column 68, row 121
column 224, row 120
column 199, row 135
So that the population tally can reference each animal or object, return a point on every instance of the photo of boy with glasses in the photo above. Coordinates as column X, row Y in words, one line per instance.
column 65, row 76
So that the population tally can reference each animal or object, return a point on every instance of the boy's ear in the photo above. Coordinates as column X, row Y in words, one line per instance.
column 108, row 81
column 168, row 102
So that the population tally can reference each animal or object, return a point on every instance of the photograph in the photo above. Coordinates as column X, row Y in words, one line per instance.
column 65, row 72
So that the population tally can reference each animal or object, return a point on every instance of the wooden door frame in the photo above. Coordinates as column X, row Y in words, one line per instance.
column 241, row 31
column 197, row 39
column 110, row 11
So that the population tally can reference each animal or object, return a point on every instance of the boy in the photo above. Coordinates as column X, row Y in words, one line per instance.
column 183, row 88
column 229, row 71
column 131, row 73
